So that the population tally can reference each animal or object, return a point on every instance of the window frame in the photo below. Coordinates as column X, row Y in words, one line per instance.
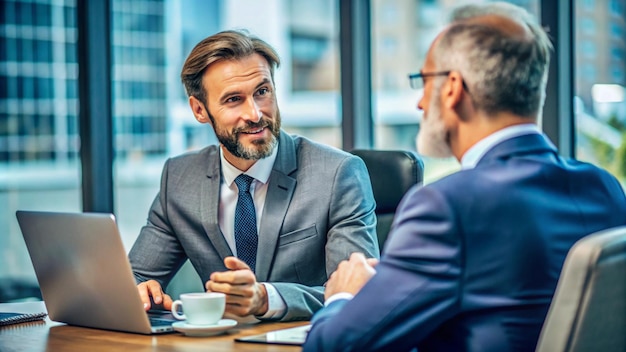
column 95, row 118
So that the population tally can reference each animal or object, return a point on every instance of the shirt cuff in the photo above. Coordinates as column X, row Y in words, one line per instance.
column 276, row 306
column 338, row 296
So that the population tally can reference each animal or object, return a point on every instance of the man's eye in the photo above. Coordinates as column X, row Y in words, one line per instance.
column 232, row 99
column 263, row 91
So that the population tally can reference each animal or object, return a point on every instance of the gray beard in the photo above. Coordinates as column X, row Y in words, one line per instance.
column 431, row 140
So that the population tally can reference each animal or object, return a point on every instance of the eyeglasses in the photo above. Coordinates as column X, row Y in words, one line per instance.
column 416, row 80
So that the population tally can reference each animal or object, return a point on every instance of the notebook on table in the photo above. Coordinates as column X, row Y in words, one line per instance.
column 289, row 336
column 84, row 274
column 7, row 318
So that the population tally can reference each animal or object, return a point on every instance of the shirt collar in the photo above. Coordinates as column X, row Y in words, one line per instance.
column 261, row 170
column 476, row 152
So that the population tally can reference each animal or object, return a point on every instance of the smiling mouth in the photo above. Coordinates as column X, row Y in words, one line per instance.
column 254, row 131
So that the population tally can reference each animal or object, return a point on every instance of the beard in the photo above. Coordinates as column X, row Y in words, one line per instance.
column 259, row 149
column 431, row 140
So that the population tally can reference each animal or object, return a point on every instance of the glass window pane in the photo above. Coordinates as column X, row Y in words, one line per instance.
column 39, row 161
column 600, row 93
column 402, row 32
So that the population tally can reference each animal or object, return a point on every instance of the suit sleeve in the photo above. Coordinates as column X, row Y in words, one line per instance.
column 352, row 228
column 415, row 289
column 157, row 253
column 352, row 224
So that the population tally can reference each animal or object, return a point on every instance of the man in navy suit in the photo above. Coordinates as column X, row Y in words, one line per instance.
column 472, row 260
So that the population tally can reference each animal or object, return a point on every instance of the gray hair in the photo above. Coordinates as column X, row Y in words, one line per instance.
column 495, row 8
column 503, row 72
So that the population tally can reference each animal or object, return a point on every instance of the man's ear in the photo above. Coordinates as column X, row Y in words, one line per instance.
column 452, row 90
column 199, row 110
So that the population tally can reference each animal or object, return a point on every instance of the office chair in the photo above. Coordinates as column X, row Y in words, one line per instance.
column 588, row 311
column 392, row 173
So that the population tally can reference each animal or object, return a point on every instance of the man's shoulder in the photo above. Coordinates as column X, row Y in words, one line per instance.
column 193, row 155
column 457, row 187
column 571, row 164
column 464, row 178
column 195, row 161
column 494, row 178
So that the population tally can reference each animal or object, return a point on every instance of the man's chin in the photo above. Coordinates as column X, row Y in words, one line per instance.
column 259, row 149
column 432, row 149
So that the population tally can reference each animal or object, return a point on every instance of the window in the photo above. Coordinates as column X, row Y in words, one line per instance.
column 617, row 31
column 399, row 48
column 587, row 5
column 587, row 49
column 307, row 51
column 39, row 163
column 152, row 118
column 617, row 73
column 588, row 25
column 616, row 7
column 617, row 54
column 600, row 81
column 588, row 72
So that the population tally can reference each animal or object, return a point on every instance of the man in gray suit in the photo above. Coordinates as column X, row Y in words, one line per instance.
column 312, row 204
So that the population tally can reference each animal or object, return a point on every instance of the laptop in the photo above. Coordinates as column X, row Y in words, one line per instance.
column 84, row 274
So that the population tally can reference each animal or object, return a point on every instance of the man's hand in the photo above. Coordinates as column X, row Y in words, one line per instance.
column 152, row 288
column 244, row 295
column 351, row 275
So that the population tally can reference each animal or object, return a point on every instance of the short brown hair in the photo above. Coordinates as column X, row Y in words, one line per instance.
column 225, row 45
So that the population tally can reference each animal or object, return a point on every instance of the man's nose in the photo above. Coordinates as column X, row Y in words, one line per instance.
column 253, row 112
column 420, row 103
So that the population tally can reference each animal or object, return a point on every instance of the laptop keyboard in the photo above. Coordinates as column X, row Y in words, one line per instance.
column 160, row 321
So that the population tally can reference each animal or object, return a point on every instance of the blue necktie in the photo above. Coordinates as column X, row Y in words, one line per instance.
column 246, row 237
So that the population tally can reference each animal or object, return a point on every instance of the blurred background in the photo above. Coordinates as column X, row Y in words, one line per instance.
column 40, row 160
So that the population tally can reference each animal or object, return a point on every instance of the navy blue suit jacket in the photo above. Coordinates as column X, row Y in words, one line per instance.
column 472, row 260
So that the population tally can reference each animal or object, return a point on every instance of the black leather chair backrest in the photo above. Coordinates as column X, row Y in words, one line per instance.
column 588, row 311
column 392, row 173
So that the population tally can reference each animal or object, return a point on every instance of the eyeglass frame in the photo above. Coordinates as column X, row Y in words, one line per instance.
column 414, row 76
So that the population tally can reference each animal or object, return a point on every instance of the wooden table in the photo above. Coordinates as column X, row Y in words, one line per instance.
column 53, row 336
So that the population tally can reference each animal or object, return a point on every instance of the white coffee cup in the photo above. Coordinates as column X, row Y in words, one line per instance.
column 200, row 308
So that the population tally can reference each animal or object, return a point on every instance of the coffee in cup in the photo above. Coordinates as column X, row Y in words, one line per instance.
column 200, row 308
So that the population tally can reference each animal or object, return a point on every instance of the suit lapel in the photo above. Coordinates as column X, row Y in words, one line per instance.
column 209, row 204
column 279, row 192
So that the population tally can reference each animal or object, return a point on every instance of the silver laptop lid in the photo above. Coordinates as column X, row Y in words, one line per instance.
column 83, row 270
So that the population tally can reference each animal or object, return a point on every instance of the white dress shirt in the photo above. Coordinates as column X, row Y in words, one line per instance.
column 473, row 155
column 260, row 171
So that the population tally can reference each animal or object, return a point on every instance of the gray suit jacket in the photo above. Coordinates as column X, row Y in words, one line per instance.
column 319, row 209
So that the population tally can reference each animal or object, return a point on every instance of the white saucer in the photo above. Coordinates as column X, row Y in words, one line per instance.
column 204, row 330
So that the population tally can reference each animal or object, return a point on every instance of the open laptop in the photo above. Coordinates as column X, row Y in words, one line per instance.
column 84, row 273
